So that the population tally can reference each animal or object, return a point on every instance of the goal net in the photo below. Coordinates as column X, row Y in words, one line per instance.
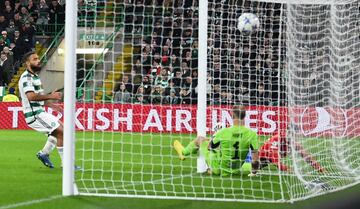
column 138, row 84
column 323, row 91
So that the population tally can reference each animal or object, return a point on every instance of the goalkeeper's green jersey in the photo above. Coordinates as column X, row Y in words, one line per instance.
column 234, row 144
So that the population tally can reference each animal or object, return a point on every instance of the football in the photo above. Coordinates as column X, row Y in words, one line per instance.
column 248, row 23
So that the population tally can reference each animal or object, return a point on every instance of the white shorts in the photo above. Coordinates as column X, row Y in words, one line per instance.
column 45, row 123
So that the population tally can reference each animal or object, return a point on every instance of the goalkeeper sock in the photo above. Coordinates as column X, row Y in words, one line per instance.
column 191, row 148
column 60, row 150
column 49, row 145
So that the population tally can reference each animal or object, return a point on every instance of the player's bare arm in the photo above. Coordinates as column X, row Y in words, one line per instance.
column 32, row 96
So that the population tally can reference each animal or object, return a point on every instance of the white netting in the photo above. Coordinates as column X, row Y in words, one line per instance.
column 297, row 75
column 323, row 58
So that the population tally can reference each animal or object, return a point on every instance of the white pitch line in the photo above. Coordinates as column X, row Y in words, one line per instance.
column 142, row 182
column 31, row 202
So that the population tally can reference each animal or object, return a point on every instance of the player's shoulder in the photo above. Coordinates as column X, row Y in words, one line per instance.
column 25, row 75
column 248, row 131
column 224, row 131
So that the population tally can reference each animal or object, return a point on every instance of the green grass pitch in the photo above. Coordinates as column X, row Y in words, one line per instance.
column 26, row 183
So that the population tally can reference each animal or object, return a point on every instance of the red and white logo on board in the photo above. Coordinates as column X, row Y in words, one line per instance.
column 323, row 121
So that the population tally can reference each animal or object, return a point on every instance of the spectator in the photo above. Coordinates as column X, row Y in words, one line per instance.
column 163, row 78
column 216, row 95
column 16, row 37
column 157, row 95
column 139, row 97
column 32, row 9
column 43, row 13
column 185, row 95
column 146, row 85
column 56, row 16
column 9, row 54
column 122, row 96
column 5, row 37
column 171, row 86
column 172, row 98
column 128, row 85
column 17, row 46
column 185, row 69
column 223, row 97
column 56, row 12
column 2, row 81
column 261, row 97
column 9, row 13
column 28, row 32
column 175, row 63
column 8, row 3
column 3, row 22
column 23, row 3
column 11, row 30
column 15, row 52
column 6, row 68
column 24, row 13
column 2, row 44
column 11, row 97
column 178, row 78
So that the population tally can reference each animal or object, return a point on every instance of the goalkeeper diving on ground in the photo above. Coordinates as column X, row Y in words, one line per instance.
column 227, row 152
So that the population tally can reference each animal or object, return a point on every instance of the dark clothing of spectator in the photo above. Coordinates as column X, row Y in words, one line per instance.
column 140, row 99
column 9, row 15
column 56, row 14
column 33, row 11
column 7, row 71
column 3, row 25
column 28, row 32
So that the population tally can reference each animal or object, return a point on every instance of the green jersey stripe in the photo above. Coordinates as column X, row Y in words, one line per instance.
column 31, row 114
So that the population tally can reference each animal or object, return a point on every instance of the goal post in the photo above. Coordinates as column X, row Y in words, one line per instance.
column 202, row 66
column 152, row 72
column 68, row 185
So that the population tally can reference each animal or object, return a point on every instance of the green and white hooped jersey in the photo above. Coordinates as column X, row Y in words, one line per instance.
column 30, row 82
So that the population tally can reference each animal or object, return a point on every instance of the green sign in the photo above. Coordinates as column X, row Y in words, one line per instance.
column 96, row 37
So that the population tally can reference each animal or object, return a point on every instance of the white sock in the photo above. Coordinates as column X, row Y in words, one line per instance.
column 60, row 150
column 49, row 145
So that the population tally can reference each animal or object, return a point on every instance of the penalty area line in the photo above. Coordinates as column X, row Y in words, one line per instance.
column 31, row 202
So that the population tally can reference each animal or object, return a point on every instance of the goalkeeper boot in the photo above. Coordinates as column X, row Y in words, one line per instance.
column 179, row 149
column 44, row 158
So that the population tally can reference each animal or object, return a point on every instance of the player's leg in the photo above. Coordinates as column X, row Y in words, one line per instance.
column 212, row 158
column 179, row 149
column 58, row 134
column 191, row 148
column 308, row 158
column 49, row 145
column 46, row 123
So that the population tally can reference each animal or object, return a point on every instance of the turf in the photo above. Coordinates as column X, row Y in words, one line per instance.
column 23, row 178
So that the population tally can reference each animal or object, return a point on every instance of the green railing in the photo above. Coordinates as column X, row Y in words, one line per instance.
column 97, row 20
column 109, row 43
column 53, row 45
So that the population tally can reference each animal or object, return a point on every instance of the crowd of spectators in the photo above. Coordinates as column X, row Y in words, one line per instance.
column 19, row 22
column 241, row 70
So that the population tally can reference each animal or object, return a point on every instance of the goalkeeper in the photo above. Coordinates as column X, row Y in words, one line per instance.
column 226, row 152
